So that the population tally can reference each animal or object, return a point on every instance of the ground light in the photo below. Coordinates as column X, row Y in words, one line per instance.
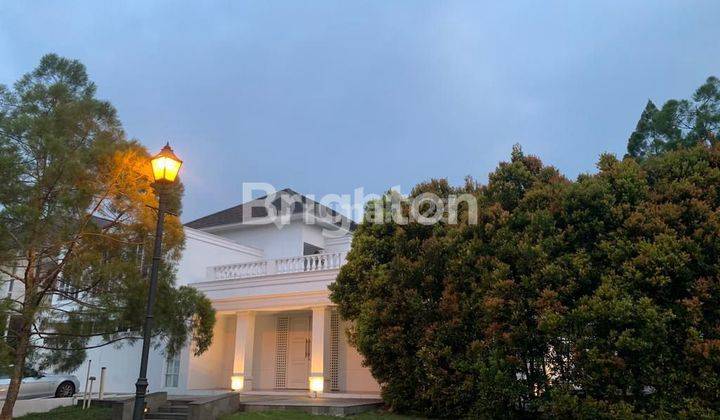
column 317, row 384
column 236, row 383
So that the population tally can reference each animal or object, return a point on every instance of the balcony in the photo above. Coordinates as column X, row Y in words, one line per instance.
column 300, row 264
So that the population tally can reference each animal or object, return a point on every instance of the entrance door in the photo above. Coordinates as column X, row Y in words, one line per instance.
column 299, row 348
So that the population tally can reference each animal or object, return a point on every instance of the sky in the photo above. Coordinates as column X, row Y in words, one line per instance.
column 328, row 96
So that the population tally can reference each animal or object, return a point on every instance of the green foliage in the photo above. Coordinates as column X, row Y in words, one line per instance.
column 77, row 218
column 679, row 123
column 593, row 298
column 72, row 413
column 300, row 415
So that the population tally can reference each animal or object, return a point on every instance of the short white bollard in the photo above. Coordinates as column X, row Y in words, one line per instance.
column 101, row 391
column 88, row 400
column 87, row 376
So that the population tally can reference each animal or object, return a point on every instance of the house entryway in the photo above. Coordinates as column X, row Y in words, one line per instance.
column 288, row 350
column 293, row 351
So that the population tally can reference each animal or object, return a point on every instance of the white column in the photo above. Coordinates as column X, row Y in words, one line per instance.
column 244, row 340
column 317, row 362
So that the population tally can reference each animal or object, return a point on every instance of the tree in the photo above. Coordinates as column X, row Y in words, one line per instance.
column 679, row 123
column 76, row 224
column 597, row 297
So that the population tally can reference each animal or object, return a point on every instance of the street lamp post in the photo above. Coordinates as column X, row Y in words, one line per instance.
column 165, row 167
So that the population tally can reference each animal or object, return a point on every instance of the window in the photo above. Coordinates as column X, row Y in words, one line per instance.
column 172, row 371
column 310, row 249
column 66, row 290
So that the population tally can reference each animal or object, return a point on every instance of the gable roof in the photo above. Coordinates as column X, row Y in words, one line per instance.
column 234, row 215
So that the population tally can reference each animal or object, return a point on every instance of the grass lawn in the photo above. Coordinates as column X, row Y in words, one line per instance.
column 101, row 413
column 298, row 415
column 71, row 413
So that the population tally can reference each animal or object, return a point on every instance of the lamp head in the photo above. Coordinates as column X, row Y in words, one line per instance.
column 165, row 165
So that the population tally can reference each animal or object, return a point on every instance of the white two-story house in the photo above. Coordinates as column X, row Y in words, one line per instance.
column 276, row 329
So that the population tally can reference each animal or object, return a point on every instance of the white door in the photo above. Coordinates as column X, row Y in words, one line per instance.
column 299, row 348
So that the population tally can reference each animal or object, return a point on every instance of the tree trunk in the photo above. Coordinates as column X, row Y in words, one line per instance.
column 17, row 373
column 23, row 337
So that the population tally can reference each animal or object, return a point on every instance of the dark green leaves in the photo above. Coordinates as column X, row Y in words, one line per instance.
column 679, row 123
column 593, row 298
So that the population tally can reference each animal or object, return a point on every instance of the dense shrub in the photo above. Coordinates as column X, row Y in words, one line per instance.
column 598, row 297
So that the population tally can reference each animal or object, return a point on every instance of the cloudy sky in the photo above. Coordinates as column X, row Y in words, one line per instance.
column 325, row 97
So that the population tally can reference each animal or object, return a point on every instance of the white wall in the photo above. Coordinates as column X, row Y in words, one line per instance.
column 123, row 367
column 275, row 242
column 285, row 241
column 213, row 369
column 204, row 250
column 354, row 377
column 341, row 244
column 18, row 288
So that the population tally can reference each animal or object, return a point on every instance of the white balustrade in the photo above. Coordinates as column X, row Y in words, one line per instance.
column 301, row 264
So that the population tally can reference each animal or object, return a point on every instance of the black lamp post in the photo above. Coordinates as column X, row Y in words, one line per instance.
column 165, row 166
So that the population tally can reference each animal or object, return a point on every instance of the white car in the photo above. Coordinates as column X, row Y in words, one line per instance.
column 39, row 384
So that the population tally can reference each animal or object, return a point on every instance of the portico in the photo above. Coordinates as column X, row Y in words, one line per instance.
column 292, row 347
column 278, row 342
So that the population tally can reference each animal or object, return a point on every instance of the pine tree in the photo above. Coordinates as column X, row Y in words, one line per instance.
column 76, row 222
column 679, row 123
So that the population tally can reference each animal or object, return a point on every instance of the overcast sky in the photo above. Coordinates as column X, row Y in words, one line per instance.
column 325, row 97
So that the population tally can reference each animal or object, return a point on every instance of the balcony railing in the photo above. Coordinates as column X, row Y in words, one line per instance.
column 301, row 264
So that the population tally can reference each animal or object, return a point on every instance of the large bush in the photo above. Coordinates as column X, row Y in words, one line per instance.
column 598, row 297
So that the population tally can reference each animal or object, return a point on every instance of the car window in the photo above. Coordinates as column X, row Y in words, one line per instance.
column 30, row 372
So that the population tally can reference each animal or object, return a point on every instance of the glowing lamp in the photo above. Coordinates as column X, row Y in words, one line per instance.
column 317, row 383
column 237, row 383
column 165, row 165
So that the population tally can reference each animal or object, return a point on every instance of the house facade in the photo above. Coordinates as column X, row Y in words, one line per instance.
column 276, row 329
